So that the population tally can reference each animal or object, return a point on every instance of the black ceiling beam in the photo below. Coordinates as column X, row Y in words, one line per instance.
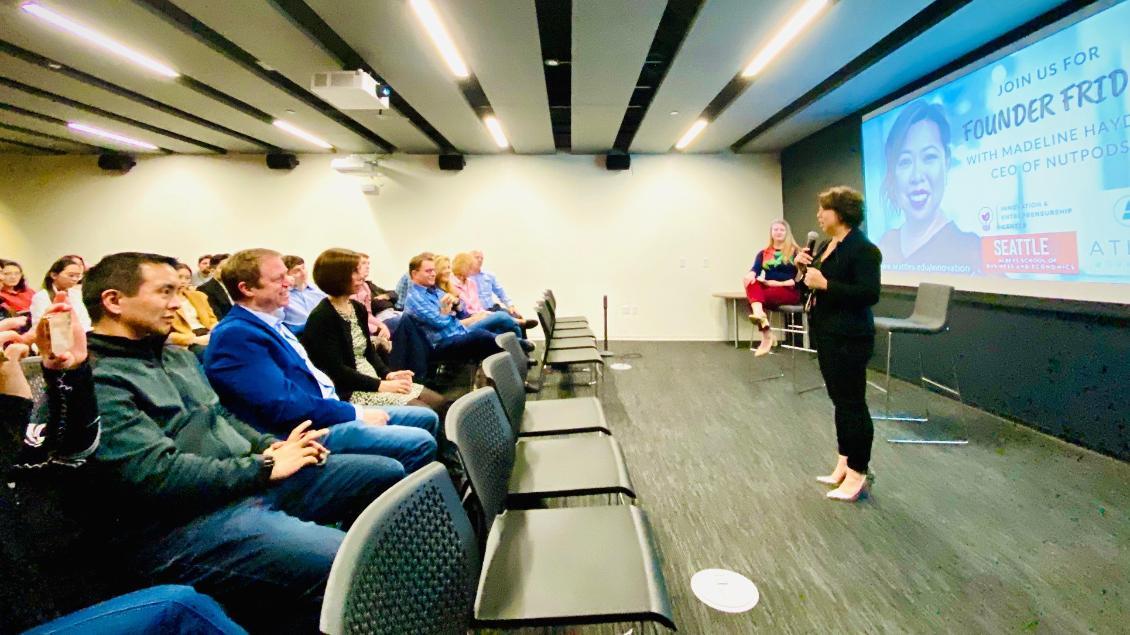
column 184, row 21
column 66, row 101
column 91, row 80
column 309, row 22
column 1035, row 24
column 36, row 133
column 555, row 32
column 922, row 21
column 31, row 146
column 678, row 17
column 31, row 113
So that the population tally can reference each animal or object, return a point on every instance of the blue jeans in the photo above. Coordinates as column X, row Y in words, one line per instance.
column 266, row 558
column 499, row 322
column 159, row 609
column 409, row 437
column 474, row 345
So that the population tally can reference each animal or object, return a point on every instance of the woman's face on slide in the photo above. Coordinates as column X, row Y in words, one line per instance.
column 920, row 172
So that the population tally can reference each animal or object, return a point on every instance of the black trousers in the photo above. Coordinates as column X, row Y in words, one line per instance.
column 843, row 363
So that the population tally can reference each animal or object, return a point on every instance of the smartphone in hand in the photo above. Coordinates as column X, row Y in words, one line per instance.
column 62, row 335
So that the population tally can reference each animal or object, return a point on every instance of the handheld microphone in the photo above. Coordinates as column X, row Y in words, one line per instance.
column 811, row 245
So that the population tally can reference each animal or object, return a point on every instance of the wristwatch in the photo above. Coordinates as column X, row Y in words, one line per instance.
column 267, row 466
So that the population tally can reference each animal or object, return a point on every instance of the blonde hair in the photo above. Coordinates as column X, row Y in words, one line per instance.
column 789, row 246
column 462, row 264
column 444, row 283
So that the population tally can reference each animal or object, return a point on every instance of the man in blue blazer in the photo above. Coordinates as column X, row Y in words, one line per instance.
column 263, row 375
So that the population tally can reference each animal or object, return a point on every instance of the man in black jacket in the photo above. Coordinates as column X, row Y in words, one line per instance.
column 201, row 498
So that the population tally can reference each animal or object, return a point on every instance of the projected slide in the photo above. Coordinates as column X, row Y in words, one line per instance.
column 1020, row 169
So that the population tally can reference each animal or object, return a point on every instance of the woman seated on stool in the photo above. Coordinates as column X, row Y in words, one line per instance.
column 337, row 339
column 771, row 282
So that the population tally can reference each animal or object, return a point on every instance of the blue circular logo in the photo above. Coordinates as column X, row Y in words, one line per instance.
column 1122, row 210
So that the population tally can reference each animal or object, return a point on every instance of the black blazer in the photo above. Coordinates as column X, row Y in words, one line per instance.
column 330, row 347
column 852, row 270
column 217, row 297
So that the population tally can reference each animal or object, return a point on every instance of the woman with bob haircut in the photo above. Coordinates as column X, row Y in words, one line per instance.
column 844, row 279
column 336, row 338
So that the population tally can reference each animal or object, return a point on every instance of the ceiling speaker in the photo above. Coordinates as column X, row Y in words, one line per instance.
column 281, row 161
column 452, row 162
column 618, row 161
column 116, row 162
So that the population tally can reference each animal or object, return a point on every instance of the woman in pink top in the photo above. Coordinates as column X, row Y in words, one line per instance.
column 465, row 286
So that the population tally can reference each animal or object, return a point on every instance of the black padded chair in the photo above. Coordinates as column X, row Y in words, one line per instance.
column 537, row 418
column 929, row 317
column 552, row 567
column 409, row 564
column 563, row 330
column 541, row 468
column 563, row 320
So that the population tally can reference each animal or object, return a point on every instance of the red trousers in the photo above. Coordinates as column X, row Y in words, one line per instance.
column 771, row 297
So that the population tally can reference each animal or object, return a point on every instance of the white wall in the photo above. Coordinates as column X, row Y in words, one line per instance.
column 543, row 221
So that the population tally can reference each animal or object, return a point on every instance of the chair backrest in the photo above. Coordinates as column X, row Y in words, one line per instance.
column 478, row 426
column 500, row 370
column 546, row 319
column 931, row 306
column 509, row 343
column 551, row 302
column 409, row 564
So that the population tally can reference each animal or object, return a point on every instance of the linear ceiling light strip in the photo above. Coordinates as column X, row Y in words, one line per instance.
column 98, row 39
column 91, row 80
column 923, row 21
column 781, row 38
column 310, row 23
column 37, row 133
column 468, row 83
column 59, row 99
column 189, row 25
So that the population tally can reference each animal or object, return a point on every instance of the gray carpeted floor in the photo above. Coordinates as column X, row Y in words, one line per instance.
column 1016, row 532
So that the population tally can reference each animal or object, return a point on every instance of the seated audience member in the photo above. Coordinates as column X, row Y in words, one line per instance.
column 449, row 338
column 218, row 297
column 339, row 344
column 193, row 320
column 194, row 495
column 15, row 294
column 203, row 270
column 64, row 276
column 496, row 322
column 47, row 572
column 303, row 295
column 364, row 295
column 771, row 282
column 491, row 294
column 265, row 376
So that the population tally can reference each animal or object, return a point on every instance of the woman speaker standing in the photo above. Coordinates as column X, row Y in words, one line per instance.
column 843, row 276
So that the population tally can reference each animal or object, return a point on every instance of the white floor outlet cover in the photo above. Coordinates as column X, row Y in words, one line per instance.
column 726, row 591
column 621, row 366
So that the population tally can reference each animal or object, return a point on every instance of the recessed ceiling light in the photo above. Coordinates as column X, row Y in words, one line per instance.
column 496, row 131
column 552, row 62
column 290, row 111
column 806, row 14
column 97, row 38
column 674, row 112
column 302, row 134
column 690, row 134
column 105, row 134
column 440, row 38
column 54, row 66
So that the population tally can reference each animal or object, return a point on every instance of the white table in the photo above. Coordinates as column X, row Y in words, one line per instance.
column 733, row 298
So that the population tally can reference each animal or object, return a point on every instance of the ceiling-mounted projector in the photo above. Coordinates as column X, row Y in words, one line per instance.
column 350, row 90
column 356, row 164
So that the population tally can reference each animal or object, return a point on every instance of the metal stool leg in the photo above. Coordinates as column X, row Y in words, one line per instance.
column 925, row 383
